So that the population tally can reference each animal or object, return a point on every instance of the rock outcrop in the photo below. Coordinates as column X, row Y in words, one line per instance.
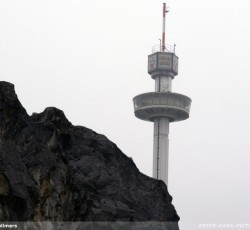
column 51, row 170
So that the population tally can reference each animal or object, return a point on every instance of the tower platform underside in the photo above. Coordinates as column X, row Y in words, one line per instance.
column 174, row 106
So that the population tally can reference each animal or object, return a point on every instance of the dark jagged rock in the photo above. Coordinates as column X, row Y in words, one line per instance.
column 51, row 170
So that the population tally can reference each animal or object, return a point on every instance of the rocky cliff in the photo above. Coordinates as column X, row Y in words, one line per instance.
column 51, row 170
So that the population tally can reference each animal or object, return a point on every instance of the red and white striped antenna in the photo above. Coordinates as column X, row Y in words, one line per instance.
column 165, row 10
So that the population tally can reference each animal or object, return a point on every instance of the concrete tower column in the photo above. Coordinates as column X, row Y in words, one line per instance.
column 163, row 83
column 161, row 146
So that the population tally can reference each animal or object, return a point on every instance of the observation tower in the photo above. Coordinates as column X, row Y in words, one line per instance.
column 162, row 106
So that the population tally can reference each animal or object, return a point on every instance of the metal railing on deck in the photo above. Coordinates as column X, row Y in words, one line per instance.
column 159, row 48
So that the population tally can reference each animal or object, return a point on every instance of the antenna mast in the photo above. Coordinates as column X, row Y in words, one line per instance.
column 165, row 10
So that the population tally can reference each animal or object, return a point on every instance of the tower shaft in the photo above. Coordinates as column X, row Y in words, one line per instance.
column 161, row 147
column 163, row 83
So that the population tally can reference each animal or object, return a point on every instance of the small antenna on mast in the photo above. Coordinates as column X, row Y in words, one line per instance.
column 165, row 10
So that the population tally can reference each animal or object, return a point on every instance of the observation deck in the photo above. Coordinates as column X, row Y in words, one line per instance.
column 163, row 62
column 174, row 106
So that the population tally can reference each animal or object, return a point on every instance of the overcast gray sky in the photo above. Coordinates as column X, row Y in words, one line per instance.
column 89, row 58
